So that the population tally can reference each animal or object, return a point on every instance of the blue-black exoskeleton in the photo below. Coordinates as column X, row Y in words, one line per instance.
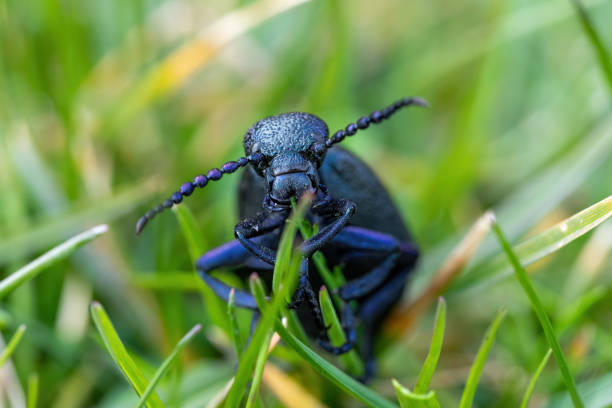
column 359, row 226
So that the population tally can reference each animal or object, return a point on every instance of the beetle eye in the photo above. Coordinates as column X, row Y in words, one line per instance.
column 255, row 148
column 318, row 149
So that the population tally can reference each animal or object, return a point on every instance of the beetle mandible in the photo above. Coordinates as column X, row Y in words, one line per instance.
column 359, row 226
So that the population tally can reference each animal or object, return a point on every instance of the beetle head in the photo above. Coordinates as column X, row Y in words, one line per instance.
column 287, row 150
column 291, row 147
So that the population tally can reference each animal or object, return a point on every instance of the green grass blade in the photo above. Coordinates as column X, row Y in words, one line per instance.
column 32, row 391
column 605, row 62
column 191, row 231
column 332, row 373
column 214, row 307
column 351, row 360
column 536, row 304
column 538, row 246
column 472, row 382
column 42, row 236
column 429, row 367
column 257, row 289
column 12, row 345
column 233, row 321
column 534, row 379
column 262, row 357
column 49, row 258
column 161, row 371
column 408, row 399
column 287, row 265
column 181, row 281
column 117, row 350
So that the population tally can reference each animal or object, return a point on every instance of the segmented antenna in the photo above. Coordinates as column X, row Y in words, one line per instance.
column 375, row 117
column 199, row 181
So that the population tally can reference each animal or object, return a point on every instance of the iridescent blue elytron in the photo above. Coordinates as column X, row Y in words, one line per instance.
column 359, row 227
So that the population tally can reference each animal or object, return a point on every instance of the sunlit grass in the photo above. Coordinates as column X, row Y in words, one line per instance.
column 107, row 106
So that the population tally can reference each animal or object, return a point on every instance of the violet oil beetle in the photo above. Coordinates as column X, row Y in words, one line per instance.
column 359, row 226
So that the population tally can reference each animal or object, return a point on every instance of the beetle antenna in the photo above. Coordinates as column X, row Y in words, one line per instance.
column 375, row 117
column 199, row 181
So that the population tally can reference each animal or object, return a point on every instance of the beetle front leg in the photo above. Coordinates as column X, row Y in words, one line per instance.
column 343, row 210
column 256, row 226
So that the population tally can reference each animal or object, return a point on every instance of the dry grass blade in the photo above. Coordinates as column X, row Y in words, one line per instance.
column 290, row 393
column 404, row 318
column 175, row 69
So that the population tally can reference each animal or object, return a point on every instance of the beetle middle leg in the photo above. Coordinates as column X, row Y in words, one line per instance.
column 358, row 242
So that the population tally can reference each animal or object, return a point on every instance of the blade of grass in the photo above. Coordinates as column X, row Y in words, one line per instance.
column 191, row 231
column 537, row 247
column 176, row 68
column 429, row 367
column 183, row 281
column 287, row 265
column 404, row 317
column 481, row 357
column 46, row 234
column 351, row 360
column 288, row 390
column 605, row 62
column 12, row 345
column 257, row 289
column 536, row 304
column 534, row 379
column 49, row 258
column 332, row 373
column 117, row 350
column 214, row 307
column 408, row 399
column 543, row 192
column 161, row 371
column 32, row 391
column 233, row 321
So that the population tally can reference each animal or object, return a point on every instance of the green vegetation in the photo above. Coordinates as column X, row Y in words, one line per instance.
column 107, row 107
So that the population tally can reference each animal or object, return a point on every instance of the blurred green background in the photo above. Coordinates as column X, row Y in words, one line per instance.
column 108, row 106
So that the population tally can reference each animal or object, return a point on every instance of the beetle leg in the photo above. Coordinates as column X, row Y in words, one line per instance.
column 363, row 240
column 343, row 210
column 253, row 227
column 227, row 255
column 373, row 310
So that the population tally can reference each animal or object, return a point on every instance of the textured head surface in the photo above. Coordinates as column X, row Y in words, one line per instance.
column 287, row 132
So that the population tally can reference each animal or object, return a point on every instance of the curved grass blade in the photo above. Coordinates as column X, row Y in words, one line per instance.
column 49, row 258
column 539, row 246
column 429, row 367
column 538, row 308
column 117, row 350
column 605, row 62
column 472, row 382
column 12, row 345
column 351, row 360
column 161, row 371
column 333, row 374
column 534, row 379
column 408, row 399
